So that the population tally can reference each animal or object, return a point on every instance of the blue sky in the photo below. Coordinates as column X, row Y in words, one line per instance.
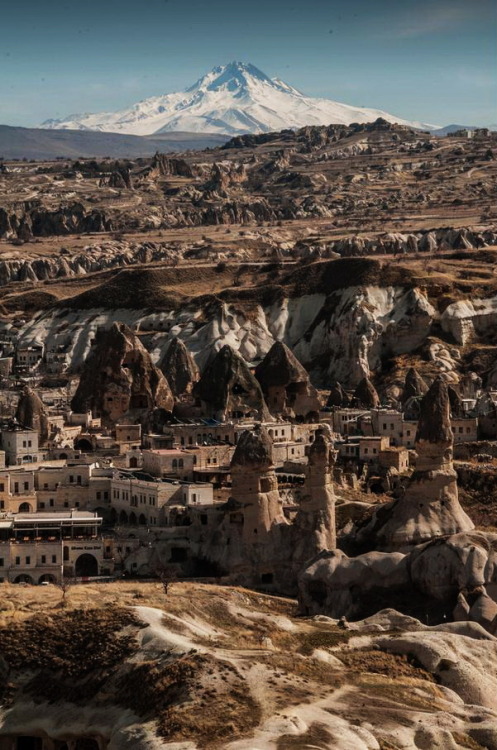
column 430, row 60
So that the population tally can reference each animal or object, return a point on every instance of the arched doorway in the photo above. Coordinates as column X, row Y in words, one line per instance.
column 133, row 462
column 132, row 518
column 29, row 743
column 25, row 508
column 87, row 743
column 23, row 578
column 142, row 520
column 123, row 518
column 113, row 516
column 84, row 445
column 86, row 566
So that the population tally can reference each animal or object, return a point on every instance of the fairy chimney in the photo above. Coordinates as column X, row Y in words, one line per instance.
column 285, row 383
column 227, row 389
column 31, row 413
column 119, row 378
column 180, row 368
column 315, row 520
column 255, row 486
column 430, row 506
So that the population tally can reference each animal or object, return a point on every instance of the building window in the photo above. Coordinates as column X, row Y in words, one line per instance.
column 2, row 564
column 2, row 487
column 51, row 502
column 43, row 559
column 54, row 558
column 18, row 560
column 16, row 488
column 71, row 478
column 26, row 485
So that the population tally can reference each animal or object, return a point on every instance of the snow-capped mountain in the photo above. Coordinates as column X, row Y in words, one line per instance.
column 233, row 99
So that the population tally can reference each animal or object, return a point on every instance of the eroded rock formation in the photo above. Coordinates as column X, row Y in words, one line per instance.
column 414, row 386
column 255, row 486
column 119, row 378
column 430, row 506
column 227, row 388
column 180, row 368
column 365, row 395
column 31, row 413
column 315, row 521
column 285, row 383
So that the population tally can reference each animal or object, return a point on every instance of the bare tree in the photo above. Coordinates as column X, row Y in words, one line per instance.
column 167, row 575
column 64, row 585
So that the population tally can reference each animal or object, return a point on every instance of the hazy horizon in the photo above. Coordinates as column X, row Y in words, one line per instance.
column 429, row 61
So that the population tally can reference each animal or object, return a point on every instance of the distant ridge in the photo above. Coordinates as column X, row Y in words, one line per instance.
column 38, row 143
column 236, row 99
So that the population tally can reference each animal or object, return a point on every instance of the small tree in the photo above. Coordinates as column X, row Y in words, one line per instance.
column 64, row 585
column 167, row 574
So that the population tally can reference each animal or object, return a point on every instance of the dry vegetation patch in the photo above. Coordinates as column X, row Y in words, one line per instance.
column 196, row 698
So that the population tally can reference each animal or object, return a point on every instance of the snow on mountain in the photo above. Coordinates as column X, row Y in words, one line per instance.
column 234, row 99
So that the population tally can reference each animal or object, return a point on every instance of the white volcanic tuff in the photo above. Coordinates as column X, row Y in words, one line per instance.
column 235, row 98
column 466, row 318
column 358, row 327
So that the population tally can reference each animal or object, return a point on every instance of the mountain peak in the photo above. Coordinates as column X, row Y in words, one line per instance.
column 233, row 99
column 232, row 76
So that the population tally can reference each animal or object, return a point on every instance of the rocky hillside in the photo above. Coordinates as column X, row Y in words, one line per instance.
column 206, row 667
column 369, row 177
column 344, row 319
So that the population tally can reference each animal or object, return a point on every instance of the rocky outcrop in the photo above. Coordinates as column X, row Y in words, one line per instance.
column 365, row 395
column 121, row 179
column 31, row 413
column 337, row 396
column 166, row 166
column 227, row 388
column 180, row 368
column 285, row 384
column 414, row 386
column 314, row 524
column 119, row 379
column 430, row 506
column 255, row 487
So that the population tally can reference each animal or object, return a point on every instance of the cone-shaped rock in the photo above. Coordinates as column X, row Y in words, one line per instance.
column 365, row 395
column 315, row 521
column 414, row 386
column 180, row 368
column 434, row 417
column 227, row 388
column 254, row 448
column 119, row 377
column 456, row 405
column 337, row 396
column 430, row 506
column 285, row 383
column 255, row 486
column 31, row 413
